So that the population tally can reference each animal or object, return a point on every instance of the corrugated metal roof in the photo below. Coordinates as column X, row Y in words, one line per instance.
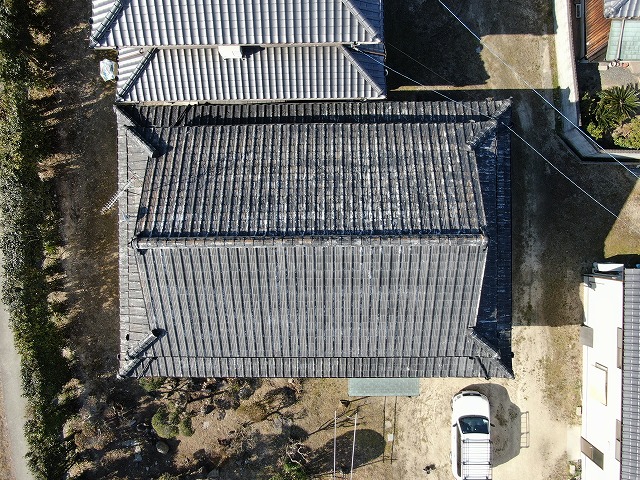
column 596, row 28
column 273, row 73
column 621, row 8
column 384, row 387
column 120, row 23
column 630, row 455
column 241, row 306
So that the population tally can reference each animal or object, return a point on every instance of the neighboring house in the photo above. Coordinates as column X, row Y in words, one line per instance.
column 612, row 30
column 611, row 374
column 315, row 240
column 172, row 51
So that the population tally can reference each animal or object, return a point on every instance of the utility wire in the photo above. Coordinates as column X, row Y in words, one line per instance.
column 524, row 80
column 469, row 107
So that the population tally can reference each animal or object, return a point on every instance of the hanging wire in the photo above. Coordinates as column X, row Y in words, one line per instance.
column 525, row 82
column 476, row 111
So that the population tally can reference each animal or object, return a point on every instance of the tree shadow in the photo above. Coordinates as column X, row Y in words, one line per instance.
column 369, row 445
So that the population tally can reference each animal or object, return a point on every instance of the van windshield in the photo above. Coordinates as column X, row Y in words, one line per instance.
column 474, row 425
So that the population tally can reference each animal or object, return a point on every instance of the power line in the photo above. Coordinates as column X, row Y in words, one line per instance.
column 524, row 80
column 503, row 124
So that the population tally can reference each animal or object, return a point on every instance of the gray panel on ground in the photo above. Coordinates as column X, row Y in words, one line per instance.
column 384, row 387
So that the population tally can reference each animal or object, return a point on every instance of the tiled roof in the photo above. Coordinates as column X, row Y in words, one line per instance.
column 122, row 23
column 621, row 8
column 317, row 240
column 273, row 73
column 328, row 179
column 630, row 455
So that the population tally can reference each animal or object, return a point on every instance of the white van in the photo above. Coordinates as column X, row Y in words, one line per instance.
column 470, row 436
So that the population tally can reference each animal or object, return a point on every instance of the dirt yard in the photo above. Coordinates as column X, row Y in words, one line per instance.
column 557, row 234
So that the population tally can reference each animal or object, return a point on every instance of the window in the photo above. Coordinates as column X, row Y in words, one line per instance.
column 459, row 453
column 586, row 336
column 619, row 348
column 592, row 453
column 618, row 440
column 597, row 383
column 474, row 425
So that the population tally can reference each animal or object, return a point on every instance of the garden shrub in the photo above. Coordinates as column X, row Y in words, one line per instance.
column 627, row 135
column 186, row 427
column 162, row 424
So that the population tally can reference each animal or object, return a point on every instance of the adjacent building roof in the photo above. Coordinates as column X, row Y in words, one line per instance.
column 356, row 240
column 621, row 8
column 630, row 455
column 122, row 23
column 596, row 29
column 192, row 75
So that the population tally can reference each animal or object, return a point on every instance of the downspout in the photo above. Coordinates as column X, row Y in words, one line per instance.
column 620, row 40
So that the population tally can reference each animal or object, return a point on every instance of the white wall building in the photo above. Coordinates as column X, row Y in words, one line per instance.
column 610, row 375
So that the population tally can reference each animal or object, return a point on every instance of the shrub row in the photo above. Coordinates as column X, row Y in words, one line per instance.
column 25, row 211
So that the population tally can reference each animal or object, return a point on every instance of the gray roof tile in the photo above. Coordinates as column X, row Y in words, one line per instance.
column 385, row 278
column 122, row 23
column 192, row 75
column 324, row 179
column 630, row 455
column 621, row 8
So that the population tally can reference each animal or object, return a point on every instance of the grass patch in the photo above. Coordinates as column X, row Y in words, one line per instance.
column 562, row 369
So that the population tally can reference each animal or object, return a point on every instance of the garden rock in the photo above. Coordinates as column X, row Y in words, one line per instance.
column 162, row 447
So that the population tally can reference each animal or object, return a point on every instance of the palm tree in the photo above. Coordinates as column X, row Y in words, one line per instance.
column 616, row 105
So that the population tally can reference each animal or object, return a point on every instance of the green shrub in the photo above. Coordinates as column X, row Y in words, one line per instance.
column 607, row 110
column 627, row 135
column 27, row 217
column 161, row 424
column 616, row 105
column 596, row 131
column 151, row 384
column 186, row 427
column 169, row 421
column 290, row 471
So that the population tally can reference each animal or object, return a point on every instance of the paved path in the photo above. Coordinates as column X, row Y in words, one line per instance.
column 14, row 403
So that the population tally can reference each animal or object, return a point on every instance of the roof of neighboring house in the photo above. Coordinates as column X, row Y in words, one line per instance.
column 122, row 23
column 624, row 40
column 273, row 73
column 596, row 28
column 621, row 8
column 357, row 240
column 630, row 455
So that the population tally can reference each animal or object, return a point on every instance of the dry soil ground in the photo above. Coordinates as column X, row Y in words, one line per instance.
column 557, row 233
column 5, row 460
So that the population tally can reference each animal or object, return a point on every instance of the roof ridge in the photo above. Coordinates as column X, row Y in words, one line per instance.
column 135, row 75
column 107, row 22
column 486, row 128
column 364, row 21
column 611, row 10
column 347, row 51
column 470, row 238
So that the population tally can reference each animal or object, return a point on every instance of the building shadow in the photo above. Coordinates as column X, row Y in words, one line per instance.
column 558, row 231
column 426, row 42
